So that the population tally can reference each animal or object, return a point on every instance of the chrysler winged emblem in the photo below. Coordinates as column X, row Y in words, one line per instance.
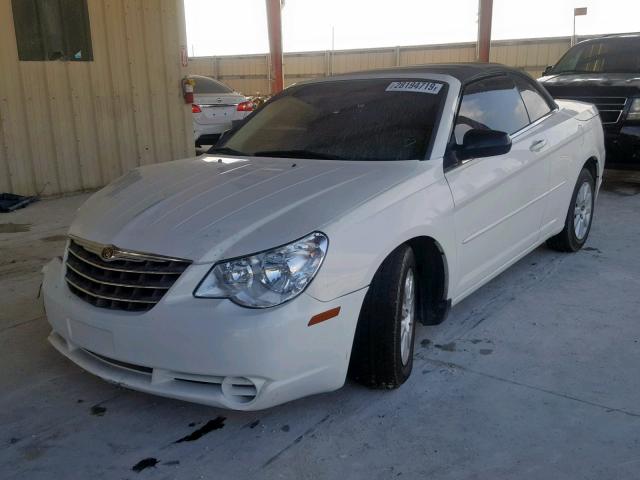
column 107, row 253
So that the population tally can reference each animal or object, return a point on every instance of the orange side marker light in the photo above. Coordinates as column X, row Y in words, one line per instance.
column 321, row 317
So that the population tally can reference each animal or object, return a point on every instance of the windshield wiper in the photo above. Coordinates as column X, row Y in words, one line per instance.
column 228, row 151
column 297, row 154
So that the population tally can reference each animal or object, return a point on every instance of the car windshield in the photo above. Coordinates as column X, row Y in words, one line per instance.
column 372, row 119
column 209, row 85
column 620, row 55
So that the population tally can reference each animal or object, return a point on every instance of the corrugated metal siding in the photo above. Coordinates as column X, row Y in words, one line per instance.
column 249, row 73
column 70, row 126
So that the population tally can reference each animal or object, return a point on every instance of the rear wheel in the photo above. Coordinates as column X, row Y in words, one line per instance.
column 382, row 355
column 579, row 217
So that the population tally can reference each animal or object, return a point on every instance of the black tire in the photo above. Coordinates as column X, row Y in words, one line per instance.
column 567, row 240
column 376, row 358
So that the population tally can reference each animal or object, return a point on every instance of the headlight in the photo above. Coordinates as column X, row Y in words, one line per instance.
column 634, row 111
column 268, row 278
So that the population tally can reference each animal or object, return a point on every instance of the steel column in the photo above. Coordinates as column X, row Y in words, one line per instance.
column 485, row 13
column 274, row 20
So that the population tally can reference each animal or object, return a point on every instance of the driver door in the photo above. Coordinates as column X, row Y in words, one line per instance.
column 497, row 213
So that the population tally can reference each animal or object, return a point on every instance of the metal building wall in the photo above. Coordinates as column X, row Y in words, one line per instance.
column 246, row 73
column 249, row 73
column 71, row 126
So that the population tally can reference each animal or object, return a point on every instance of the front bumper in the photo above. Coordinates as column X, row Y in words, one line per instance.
column 207, row 351
column 623, row 145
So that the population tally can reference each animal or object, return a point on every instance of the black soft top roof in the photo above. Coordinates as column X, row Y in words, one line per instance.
column 464, row 72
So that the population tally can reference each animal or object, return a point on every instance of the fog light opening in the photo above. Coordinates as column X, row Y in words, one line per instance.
column 239, row 389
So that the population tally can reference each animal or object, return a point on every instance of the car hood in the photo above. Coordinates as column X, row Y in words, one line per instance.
column 213, row 207
column 592, row 84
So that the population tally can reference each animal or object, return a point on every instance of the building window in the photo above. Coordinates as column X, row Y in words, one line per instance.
column 52, row 30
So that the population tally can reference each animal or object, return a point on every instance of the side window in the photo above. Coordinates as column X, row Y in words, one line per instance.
column 535, row 103
column 52, row 30
column 490, row 104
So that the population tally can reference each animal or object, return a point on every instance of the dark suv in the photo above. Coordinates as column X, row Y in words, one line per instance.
column 605, row 71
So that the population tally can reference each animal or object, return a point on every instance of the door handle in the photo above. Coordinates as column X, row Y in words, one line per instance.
column 537, row 145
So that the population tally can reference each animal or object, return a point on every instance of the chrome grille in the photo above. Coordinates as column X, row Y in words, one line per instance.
column 130, row 281
column 610, row 108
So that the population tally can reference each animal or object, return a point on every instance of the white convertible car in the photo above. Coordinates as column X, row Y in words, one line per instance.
column 310, row 243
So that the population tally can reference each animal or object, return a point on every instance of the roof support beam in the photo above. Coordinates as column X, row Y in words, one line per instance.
column 274, row 20
column 485, row 13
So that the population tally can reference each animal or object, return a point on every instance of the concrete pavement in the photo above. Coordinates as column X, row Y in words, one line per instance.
column 535, row 376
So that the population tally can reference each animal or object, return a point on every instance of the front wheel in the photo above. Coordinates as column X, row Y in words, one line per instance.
column 579, row 217
column 382, row 355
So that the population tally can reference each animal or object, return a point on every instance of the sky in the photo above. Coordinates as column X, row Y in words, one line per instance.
column 232, row 27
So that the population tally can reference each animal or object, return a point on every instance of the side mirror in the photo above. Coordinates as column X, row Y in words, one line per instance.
column 483, row 143
column 547, row 70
